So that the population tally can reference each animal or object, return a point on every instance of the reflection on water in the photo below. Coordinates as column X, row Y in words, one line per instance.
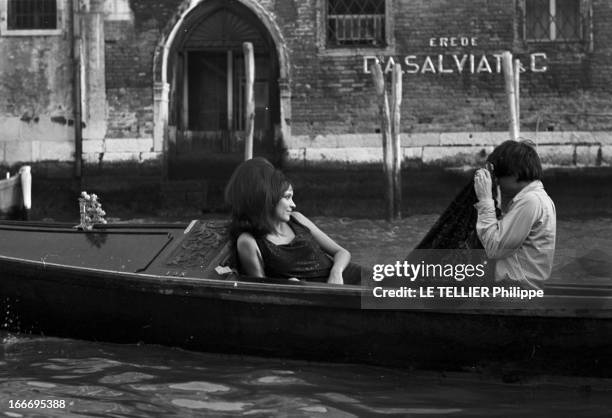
column 96, row 379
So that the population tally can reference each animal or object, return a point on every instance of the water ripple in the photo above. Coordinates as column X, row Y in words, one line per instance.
column 212, row 405
column 41, row 384
column 279, row 380
column 127, row 377
column 200, row 387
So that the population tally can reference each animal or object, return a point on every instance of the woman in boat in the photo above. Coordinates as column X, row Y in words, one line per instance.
column 272, row 239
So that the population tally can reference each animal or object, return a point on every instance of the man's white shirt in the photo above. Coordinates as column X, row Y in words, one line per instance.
column 523, row 240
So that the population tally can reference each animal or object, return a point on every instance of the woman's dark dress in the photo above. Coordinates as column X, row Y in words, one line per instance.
column 302, row 258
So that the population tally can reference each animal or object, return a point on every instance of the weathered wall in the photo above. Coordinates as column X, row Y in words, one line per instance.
column 132, row 30
column 331, row 93
column 36, row 94
column 446, row 118
column 335, row 116
column 36, row 112
column 130, row 42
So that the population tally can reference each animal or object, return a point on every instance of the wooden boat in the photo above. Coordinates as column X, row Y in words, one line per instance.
column 15, row 195
column 158, row 284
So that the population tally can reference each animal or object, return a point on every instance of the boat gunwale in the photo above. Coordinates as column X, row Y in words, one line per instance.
column 280, row 293
column 343, row 295
column 42, row 226
column 192, row 280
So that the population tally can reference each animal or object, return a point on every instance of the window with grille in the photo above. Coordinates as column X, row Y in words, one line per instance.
column 356, row 23
column 31, row 17
column 32, row 14
column 553, row 20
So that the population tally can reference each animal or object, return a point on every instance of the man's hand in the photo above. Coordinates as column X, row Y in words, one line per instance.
column 483, row 184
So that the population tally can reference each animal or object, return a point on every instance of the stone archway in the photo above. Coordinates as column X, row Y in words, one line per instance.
column 170, row 43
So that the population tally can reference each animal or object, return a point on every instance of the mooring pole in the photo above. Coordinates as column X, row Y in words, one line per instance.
column 510, row 93
column 25, row 175
column 517, row 95
column 385, row 122
column 77, row 57
column 396, row 100
column 249, row 63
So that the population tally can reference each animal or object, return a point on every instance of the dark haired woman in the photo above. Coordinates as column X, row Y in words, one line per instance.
column 272, row 239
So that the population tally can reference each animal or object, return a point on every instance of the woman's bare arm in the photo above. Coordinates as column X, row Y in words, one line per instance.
column 341, row 256
column 249, row 255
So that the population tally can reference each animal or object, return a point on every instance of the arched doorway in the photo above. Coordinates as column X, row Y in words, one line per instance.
column 205, row 73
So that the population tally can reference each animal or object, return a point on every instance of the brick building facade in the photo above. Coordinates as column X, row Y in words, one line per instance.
column 162, row 81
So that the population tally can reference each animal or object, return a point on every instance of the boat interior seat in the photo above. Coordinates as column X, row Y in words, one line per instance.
column 229, row 268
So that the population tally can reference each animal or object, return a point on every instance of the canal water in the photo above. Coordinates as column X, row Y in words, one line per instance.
column 93, row 379
column 88, row 379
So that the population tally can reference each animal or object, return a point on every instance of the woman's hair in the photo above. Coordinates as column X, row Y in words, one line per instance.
column 516, row 158
column 253, row 192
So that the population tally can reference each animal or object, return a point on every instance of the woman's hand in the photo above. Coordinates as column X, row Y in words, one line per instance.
column 483, row 184
column 335, row 277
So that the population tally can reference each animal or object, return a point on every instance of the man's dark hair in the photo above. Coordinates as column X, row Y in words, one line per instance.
column 516, row 158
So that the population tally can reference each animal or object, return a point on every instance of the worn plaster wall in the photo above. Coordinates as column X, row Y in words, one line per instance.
column 446, row 118
column 36, row 92
column 36, row 116
column 130, row 42
column 132, row 30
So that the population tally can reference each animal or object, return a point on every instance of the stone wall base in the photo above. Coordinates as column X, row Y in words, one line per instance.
column 582, row 149
column 459, row 149
column 94, row 151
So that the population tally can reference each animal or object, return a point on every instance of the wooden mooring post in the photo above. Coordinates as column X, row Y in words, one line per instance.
column 249, row 63
column 517, row 95
column 510, row 84
column 390, row 130
column 396, row 100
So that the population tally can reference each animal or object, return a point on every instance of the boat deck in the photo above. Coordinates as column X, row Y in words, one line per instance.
column 127, row 249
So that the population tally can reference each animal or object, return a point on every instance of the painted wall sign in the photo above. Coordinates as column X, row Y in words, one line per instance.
column 455, row 63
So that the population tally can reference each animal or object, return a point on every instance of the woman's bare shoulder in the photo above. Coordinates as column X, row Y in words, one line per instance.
column 249, row 255
column 246, row 241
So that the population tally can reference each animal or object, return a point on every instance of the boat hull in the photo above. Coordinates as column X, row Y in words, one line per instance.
column 293, row 323
column 157, row 285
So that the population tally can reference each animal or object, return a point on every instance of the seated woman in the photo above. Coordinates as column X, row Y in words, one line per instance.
column 272, row 239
